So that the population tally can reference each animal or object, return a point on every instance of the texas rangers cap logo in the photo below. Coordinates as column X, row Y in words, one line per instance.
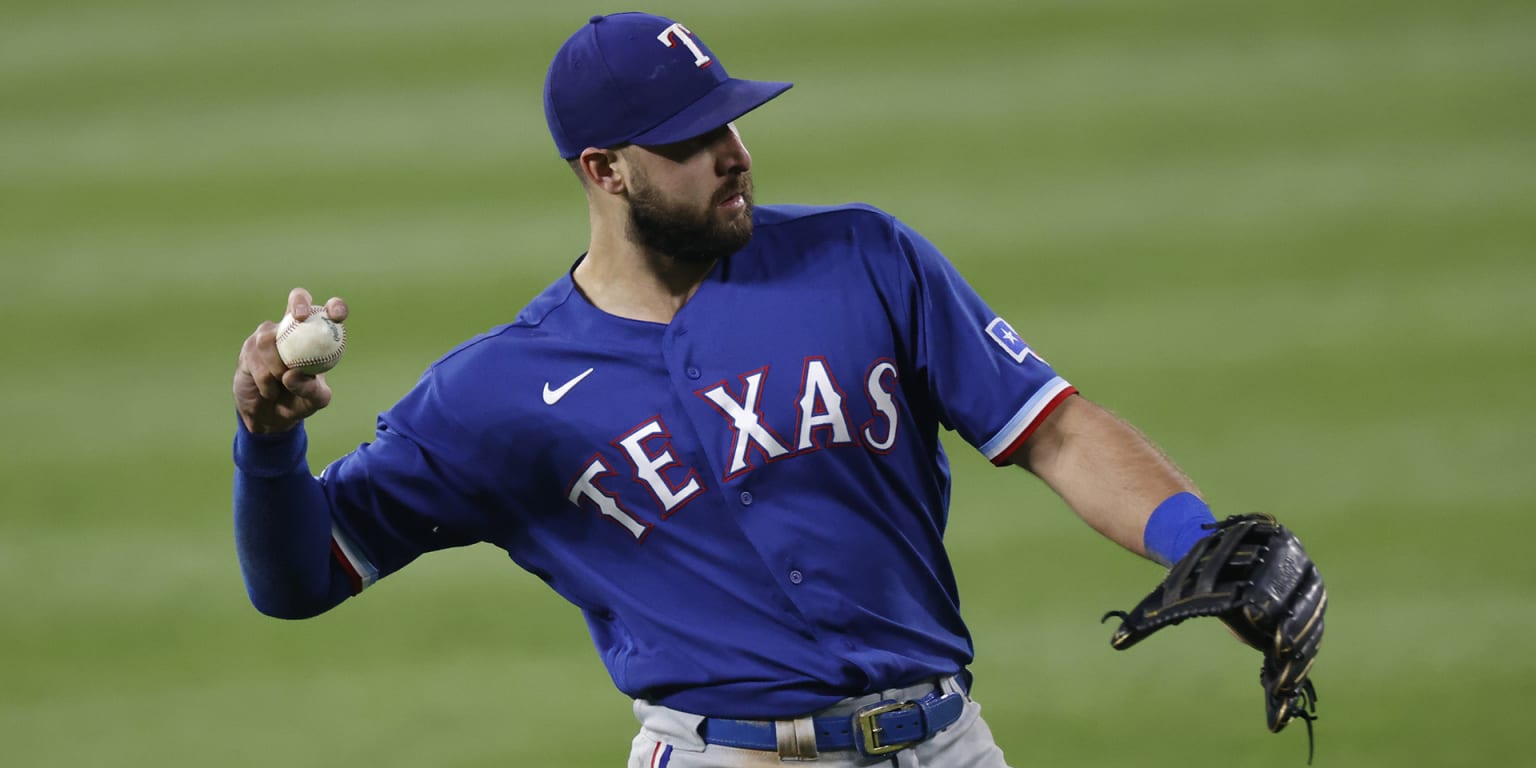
column 1003, row 333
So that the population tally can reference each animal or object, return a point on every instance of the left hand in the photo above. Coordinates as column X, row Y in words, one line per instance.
column 1255, row 576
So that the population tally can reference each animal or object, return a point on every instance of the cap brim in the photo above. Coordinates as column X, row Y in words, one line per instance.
column 724, row 103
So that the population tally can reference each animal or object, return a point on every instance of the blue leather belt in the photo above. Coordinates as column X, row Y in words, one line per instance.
column 877, row 729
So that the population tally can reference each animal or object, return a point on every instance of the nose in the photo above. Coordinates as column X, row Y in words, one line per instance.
column 731, row 155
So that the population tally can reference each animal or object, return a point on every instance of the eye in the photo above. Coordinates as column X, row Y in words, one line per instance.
column 686, row 149
column 714, row 136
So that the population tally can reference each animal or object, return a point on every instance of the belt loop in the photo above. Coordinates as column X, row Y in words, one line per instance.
column 797, row 739
column 964, row 682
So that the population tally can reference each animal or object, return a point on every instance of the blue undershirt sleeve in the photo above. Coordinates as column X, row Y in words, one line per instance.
column 282, row 523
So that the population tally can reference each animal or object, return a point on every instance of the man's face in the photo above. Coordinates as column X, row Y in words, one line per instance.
column 692, row 200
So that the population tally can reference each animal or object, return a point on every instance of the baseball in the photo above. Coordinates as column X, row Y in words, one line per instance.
column 313, row 346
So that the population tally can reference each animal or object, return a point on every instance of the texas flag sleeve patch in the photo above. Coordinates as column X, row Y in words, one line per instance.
column 1003, row 333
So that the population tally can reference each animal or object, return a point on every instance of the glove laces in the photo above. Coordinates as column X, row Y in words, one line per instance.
column 1306, row 710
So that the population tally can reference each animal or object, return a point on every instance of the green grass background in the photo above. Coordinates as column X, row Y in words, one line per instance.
column 1291, row 241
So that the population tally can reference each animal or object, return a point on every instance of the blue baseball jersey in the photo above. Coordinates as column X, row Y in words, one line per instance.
column 748, row 503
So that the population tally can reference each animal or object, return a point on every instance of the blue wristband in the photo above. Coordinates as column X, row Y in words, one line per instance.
column 1174, row 527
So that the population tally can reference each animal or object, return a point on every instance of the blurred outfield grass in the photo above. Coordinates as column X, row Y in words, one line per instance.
column 1292, row 242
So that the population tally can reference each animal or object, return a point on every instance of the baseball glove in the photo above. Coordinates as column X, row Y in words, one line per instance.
column 1254, row 575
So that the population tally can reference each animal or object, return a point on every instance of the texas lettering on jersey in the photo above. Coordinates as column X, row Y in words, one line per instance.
column 822, row 419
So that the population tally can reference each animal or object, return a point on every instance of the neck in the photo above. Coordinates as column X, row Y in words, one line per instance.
column 622, row 278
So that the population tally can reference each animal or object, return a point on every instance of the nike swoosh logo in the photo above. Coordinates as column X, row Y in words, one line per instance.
column 552, row 396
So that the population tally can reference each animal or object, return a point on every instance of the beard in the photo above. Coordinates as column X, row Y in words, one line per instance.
column 685, row 233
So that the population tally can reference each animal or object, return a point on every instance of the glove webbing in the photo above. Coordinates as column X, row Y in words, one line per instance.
column 1226, row 549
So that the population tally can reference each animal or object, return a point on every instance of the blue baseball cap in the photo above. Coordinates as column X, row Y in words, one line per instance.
column 635, row 78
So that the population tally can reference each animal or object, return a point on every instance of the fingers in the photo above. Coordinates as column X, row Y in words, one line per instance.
column 299, row 302
column 259, row 360
column 336, row 309
column 306, row 389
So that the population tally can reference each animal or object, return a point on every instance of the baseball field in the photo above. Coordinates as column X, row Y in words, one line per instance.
column 1295, row 243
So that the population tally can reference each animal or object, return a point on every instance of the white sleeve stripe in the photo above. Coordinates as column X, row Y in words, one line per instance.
column 1025, row 417
column 366, row 573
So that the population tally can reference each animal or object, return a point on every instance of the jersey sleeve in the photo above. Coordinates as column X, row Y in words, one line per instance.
column 986, row 382
column 415, row 488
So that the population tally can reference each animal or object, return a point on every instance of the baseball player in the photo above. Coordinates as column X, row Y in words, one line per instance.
column 717, row 435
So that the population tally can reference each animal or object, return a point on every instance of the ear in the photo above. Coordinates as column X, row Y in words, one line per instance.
column 602, row 169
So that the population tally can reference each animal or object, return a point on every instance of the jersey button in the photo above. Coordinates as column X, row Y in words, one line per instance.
column 795, row 577
column 746, row 498
column 693, row 373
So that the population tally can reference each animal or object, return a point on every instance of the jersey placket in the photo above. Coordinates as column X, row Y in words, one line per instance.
column 693, row 362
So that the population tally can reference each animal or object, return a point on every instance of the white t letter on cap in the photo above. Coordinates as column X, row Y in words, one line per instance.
column 671, row 35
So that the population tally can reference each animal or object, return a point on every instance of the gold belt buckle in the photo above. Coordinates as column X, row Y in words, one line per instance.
column 869, row 733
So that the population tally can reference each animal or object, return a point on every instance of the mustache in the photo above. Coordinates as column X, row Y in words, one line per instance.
column 741, row 186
